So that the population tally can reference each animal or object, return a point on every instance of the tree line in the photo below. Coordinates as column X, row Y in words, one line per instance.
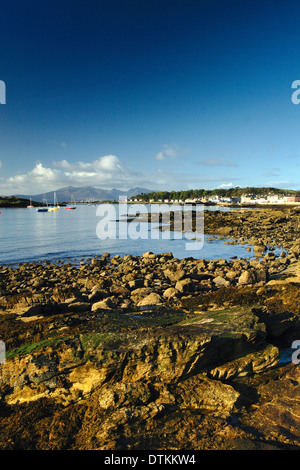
column 221, row 192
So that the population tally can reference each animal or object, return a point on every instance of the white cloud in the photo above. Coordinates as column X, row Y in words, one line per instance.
column 170, row 152
column 63, row 144
column 104, row 172
column 64, row 164
column 38, row 174
column 106, row 163
column 40, row 178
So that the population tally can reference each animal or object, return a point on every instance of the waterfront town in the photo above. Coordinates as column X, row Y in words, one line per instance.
column 268, row 199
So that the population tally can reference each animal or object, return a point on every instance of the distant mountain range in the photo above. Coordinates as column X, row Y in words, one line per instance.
column 85, row 193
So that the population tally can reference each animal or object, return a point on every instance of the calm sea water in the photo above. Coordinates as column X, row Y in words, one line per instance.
column 30, row 236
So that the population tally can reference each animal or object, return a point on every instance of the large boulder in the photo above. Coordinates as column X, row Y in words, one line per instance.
column 252, row 363
column 220, row 281
column 174, row 274
column 108, row 304
column 277, row 323
column 185, row 286
column 203, row 394
column 247, row 277
column 276, row 417
column 139, row 294
column 171, row 293
column 259, row 248
column 149, row 300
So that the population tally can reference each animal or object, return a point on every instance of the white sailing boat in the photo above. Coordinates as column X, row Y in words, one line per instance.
column 30, row 205
column 55, row 206
column 44, row 208
column 73, row 203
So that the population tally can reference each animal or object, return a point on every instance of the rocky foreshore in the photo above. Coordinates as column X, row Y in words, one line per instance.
column 153, row 352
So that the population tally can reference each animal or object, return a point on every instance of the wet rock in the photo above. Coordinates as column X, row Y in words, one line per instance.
column 259, row 248
column 225, row 231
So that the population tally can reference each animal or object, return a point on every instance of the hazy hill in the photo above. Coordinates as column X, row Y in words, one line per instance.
column 85, row 193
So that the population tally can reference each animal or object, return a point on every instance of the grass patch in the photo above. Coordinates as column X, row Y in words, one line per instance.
column 223, row 315
column 33, row 347
column 94, row 340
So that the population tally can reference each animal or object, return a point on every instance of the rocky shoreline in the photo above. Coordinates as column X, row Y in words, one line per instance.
column 153, row 352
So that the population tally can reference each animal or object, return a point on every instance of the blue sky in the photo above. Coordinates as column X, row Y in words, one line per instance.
column 168, row 94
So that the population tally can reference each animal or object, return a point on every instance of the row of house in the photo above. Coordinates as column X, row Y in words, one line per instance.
column 269, row 199
column 245, row 199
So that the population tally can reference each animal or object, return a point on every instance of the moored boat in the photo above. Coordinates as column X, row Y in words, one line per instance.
column 44, row 208
column 55, row 206
column 72, row 202
column 30, row 206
